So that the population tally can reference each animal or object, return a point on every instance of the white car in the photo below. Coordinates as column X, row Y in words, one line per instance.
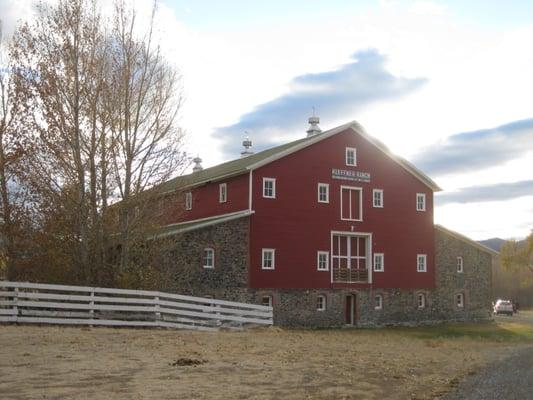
column 503, row 307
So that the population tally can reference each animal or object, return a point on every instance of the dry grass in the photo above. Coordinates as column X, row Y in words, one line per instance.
column 100, row 363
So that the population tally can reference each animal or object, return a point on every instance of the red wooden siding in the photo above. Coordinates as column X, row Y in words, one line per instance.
column 205, row 200
column 297, row 225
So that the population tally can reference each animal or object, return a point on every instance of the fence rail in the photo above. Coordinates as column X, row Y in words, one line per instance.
column 81, row 305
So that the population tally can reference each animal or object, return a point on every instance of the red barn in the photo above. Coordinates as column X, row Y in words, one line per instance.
column 330, row 229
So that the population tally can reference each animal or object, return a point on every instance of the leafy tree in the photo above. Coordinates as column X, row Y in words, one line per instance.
column 13, row 150
column 59, row 57
column 518, row 255
column 101, row 104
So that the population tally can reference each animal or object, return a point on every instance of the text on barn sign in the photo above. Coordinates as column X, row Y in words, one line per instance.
column 346, row 175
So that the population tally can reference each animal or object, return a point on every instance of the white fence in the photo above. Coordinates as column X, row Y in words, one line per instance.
column 78, row 305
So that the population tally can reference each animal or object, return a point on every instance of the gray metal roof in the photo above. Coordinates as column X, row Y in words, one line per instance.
column 224, row 170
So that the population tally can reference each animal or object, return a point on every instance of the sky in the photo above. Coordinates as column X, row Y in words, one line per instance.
column 445, row 84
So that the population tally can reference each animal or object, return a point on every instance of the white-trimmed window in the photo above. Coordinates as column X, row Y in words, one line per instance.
column 268, row 259
column 322, row 260
column 266, row 300
column 460, row 300
column 351, row 203
column 321, row 302
column 208, row 259
column 377, row 198
column 351, row 156
column 379, row 262
column 269, row 188
column 421, row 300
column 460, row 264
column 188, row 201
column 222, row 193
column 421, row 263
column 420, row 202
column 378, row 302
column 323, row 193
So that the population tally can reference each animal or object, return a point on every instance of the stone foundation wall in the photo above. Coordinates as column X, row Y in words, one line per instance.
column 475, row 282
column 184, row 264
column 298, row 307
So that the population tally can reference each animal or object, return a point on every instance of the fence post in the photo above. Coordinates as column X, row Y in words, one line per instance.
column 218, row 321
column 91, row 311
column 15, row 304
column 157, row 313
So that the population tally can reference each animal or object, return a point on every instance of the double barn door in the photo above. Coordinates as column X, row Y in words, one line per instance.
column 349, row 258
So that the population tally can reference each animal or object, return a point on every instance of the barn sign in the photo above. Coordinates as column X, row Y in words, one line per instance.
column 346, row 175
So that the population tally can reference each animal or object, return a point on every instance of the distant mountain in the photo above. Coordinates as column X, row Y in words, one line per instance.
column 494, row 243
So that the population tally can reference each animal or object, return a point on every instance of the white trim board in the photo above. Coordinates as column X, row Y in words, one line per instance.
column 250, row 182
column 202, row 223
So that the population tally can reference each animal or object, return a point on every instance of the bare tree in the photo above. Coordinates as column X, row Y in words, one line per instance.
column 103, row 129
column 143, row 105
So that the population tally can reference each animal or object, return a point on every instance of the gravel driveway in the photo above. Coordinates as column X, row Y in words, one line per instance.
column 508, row 379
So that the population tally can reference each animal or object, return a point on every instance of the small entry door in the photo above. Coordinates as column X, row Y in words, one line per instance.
column 351, row 309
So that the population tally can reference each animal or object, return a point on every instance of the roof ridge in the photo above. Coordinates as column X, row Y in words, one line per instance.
column 460, row 236
column 241, row 165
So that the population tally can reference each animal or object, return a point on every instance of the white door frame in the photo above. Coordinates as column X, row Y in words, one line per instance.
column 369, row 258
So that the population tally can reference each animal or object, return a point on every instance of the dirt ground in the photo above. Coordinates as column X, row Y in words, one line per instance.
column 38, row 362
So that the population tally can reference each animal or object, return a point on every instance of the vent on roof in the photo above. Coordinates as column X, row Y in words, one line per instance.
column 197, row 164
column 314, row 129
column 247, row 144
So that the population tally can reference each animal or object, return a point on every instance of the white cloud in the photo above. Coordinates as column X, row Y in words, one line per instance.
column 228, row 73
column 427, row 8
column 515, row 170
column 340, row 92
column 486, row 193
column 14, row 12
column 474, row 151
column 504, row 219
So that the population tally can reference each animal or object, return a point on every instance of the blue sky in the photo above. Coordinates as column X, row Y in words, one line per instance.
column 241, row 14
column 446, row 84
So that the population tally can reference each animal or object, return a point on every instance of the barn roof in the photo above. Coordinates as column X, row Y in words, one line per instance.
column 224, row 170
column 243, row 165
column 467, row 240
column 182, row 227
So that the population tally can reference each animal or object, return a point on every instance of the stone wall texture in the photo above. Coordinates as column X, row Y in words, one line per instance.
column 475, row 282
column 298, row 307
column 184, row 265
